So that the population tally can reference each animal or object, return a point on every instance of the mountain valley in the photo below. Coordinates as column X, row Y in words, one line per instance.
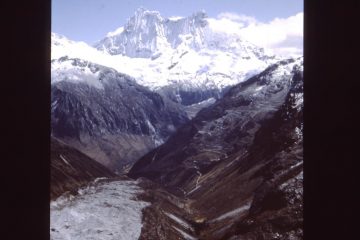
column 108, row 116
column 171, row 128
column 249, row 156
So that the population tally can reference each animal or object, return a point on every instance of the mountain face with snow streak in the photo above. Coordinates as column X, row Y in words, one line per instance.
column 107, row 115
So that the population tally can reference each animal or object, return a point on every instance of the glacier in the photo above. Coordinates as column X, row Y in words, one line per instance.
column 102, row 210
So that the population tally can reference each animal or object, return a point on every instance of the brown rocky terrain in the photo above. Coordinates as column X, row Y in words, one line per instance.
column 235, row 170
column 71, row 169
column 107, row 115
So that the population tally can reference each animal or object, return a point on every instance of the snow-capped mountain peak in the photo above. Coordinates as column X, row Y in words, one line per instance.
column 147, row 35
column 147, row 32
column 143, row 21
column 181, row 54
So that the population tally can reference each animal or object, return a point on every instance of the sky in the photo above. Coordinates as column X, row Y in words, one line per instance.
column 275, row 24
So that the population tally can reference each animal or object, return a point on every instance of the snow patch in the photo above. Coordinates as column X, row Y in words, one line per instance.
column 158, row 142
column 66, row 71
column 298, row 132
column 61, row 156
column 194, row 189
column 175, row 18
column 116, row 32
column 296, row 165
column 299, row 177
column 99, row 179
column 234, row 212
column 259, row 88
column 299, row 100
column 178, row 220
column 185, row 235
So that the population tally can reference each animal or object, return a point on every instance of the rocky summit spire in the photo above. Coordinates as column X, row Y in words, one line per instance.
column 147, row 32
column 143, row 19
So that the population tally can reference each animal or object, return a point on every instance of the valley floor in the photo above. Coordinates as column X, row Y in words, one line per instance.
column 124, row 209
column 103, row 210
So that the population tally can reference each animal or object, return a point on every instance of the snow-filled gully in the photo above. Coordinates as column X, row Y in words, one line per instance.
column 105, row 211
column 184, row 224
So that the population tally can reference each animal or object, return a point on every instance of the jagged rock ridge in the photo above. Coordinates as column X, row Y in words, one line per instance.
column 147, row 32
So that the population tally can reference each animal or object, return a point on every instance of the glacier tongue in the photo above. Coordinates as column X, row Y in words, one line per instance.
column 105, row 211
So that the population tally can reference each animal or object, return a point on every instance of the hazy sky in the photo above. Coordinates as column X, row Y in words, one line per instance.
column 91, row 20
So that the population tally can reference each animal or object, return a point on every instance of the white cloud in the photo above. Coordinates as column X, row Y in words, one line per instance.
column 243, row 20
column 284, row 36
column 225, row 25
column 116, row 32
column 175, row 18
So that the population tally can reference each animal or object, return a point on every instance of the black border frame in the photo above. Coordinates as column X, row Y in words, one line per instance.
column 330, row 121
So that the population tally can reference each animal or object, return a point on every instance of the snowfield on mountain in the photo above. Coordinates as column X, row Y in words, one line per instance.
column 189, row 53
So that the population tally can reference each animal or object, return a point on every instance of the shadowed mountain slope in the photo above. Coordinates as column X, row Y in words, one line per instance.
column 238, row 163
column 107, row 115
column 71, row 169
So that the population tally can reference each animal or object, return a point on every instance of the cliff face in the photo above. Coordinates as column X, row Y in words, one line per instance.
column 147, row 33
